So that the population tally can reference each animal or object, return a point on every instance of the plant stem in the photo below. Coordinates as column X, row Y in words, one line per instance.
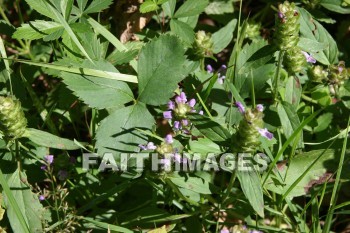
column 277, row 76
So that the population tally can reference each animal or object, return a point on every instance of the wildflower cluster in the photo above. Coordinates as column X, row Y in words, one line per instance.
column 12, row 120
column 203, row 44
column 253, row 30
column 250, row 128
column 287, row 38
column 221, row 73
column 334, row 74
column 178, row 110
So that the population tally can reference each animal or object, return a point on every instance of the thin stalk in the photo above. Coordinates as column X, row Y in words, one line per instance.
column 277, row 76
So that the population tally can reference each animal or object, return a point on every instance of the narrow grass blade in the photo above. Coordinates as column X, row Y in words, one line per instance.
column 334, row 197
column 289, row 140
column 6, row 62
column 107, row 226
column 85, row 71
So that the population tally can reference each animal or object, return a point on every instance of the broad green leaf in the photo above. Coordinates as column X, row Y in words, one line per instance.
column 36, row 30
column 183, row 30
column 219, row 7
column 42, row 7
column 322, row 96
column 160, row 68
column 289, row 120
column 194, row 184
column 96, row 92
column 125, row 56
column 169, row 7
column 46, row 139
column 293, row 91
column 28, row 203
column 251, row 187
column 97, row 6
column 148, row 6
column 117, row 132
column 311, row 45
column 313, row 30
column 335, row 5
column 223, row 37
column 191, row 8
column 318, row 173
column 210, row 129
column 323, row 122
column 204, row 146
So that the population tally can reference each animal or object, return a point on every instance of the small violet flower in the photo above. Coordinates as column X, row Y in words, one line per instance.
column 192, row 103
column 240, row 107
column 201, row 112
column 308, row 57
column 151, row 146
column 184, row 122
column 181, row 98
column 171, row 105
column 225, row 230
column 169, row 139
column 260, row 107
column 265, row 133
column 177, row 124
column 280, row 15
column 221, row 79
column 210, row 69
column 167, row 115
column 48, row 159
column 41, row 197
column 43, row 167
column 165, row 162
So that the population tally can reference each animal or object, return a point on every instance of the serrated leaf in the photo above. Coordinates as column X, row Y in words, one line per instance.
column 223, row 37
column 160, row 68
column 335, row 6
column 311, row 29
column 41, row 7
column 46, row 139
column 289, row 120
column 28, row 203
column 96, row 92
column 117, row 132
column 251, row 187
column 191, row 8
column 194, row 184
column 183, row 30
column 210, row 129
column 36, row 30
column 148, row 6
column 97, row 6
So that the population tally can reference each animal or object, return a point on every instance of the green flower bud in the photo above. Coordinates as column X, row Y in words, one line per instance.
column 294, row 60
column 253, row 30
column 317, row 74
column 247, row 138
column 182, row 109
column 165, row 148
column 287, row 26
column 338, row 73
column 203, row 44
column 12, row 120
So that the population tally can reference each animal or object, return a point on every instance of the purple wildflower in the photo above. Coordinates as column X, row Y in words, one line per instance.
column 143, row 147
column 177, row 157
column 48, row 159
column 181, row 98
column 308, row 57
column 184, row 122
column 210, row 69
column 265, row 133
column 221, row 80
column 176, row 124
column 201, row 112
column 151, row 146
column 167, row 115
column 191, row 103
column 171, row 105
column 169, row 139
column 165, row 162
column 260, row 107
column 41, row 197
column 280, row 15
column 240, row 107
column 43, row 167
column 225, row 230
